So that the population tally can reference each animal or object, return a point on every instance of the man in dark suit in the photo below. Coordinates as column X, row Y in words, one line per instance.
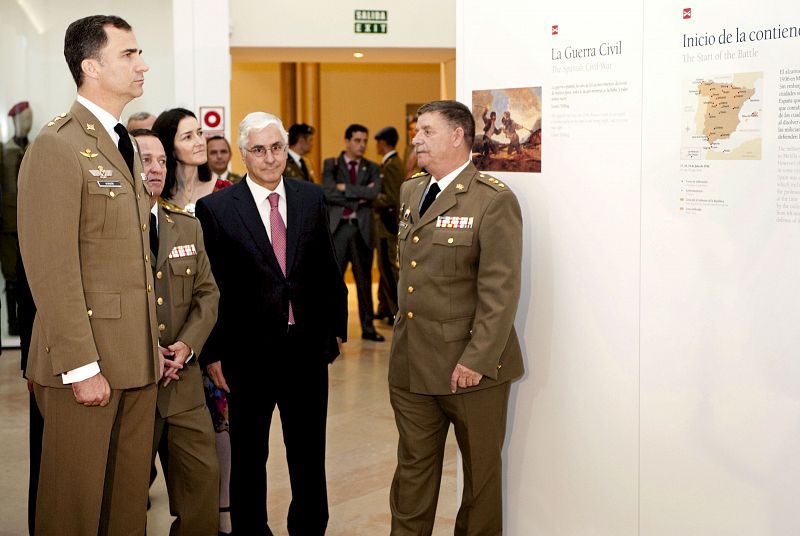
column 454, row 350
column 83, row 230
column 351, row 183
column 282, row 317
column 386, row 206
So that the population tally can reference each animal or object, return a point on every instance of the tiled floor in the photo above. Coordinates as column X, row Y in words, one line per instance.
column 361, row 450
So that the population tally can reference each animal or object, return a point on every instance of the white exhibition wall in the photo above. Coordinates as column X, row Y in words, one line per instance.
column 658, row 311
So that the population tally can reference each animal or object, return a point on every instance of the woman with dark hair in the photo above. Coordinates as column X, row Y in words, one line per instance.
column 188, row 179
column 188, row 176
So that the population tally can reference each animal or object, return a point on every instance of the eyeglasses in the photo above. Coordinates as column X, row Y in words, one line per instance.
column 260, row 151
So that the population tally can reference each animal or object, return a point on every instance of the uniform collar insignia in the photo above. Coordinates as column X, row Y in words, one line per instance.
column 459, row 186
column 89, row 126
column 88, row 153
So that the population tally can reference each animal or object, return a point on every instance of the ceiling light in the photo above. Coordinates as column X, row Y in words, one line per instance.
column 358, row 54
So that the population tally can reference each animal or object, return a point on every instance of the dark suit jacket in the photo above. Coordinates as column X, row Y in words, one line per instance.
column 356, row 196
column 254, row 293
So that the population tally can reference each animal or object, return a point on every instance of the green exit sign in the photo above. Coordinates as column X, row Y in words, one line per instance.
column 370, row 21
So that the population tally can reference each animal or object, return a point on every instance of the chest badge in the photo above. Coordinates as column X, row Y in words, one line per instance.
column 101, row 172
column 454, row 222
column 88, row 153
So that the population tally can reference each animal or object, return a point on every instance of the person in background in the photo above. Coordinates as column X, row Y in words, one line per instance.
column 282, row 318
column 219, row 158
column 140, row 120
column 454, row 350
column 188, row 176
column 351, row 183
column 301, row 141
column 184, row 435
column 386, row 206
column 93, row 358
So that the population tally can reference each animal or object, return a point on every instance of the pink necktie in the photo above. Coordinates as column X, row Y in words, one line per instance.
column 278, row 229
column 348, row 212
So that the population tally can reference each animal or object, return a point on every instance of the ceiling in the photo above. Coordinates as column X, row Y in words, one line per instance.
column 341, row 55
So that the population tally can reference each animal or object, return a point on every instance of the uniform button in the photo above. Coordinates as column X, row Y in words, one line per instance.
column 450, row 240
column 413, row 264
column 162, row 327
column 410, row 315
column 415, row 239
column 147, row 258
column 149, row 287
column 47, row 349
column 499, row 366
column 138, row 196
column 188, row 271
column 112, row 194
column 410, row 290
column 159, row 274
column 144, row 227
column 160, row 300
column 89, row 312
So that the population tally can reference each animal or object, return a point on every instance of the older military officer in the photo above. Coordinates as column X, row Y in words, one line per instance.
column 454, row 350
column 83, row 230
column 186, row 305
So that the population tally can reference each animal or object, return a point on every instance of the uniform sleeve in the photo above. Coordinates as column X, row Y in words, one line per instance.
column 50, row 192
column 499, row 281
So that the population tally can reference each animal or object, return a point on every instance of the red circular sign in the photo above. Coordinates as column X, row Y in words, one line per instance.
column 212, row 119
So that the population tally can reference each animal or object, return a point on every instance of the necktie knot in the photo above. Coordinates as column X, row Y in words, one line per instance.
column 120, row 129
column 273, row 199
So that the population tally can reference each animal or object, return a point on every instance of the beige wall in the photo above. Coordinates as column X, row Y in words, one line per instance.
column 373, row 95
column 255, row 87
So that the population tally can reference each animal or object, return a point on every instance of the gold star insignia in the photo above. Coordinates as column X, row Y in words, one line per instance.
column 50, row 124
column 63, row 114
column 89, row 154
column 89, row 126
column 459, row 186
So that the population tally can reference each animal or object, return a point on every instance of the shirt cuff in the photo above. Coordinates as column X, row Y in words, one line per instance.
column 81, row 373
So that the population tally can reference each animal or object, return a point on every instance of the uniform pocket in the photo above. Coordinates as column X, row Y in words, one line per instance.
column 456, row 330
column 183, row 270
column 103, row 304
column 446, row 243
column 109, row 212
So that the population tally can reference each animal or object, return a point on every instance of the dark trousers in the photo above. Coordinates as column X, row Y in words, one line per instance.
column 288, row 377
column 35, row 456
column 351, row 247
column 387, row 266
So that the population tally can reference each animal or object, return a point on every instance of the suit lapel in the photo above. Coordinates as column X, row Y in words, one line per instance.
column 294, row 215
column 167, row 237
column 248, row 212
column 105, row 145
column 447, row 199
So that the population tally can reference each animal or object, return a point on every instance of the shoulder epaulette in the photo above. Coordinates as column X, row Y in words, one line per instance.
column 60, row 120
column 175, row 209
column 420, row 175
column 491, row 181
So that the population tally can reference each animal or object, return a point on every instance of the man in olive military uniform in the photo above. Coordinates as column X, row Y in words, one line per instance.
column 13, row 152
column 219, row 157
column 301, row 141
column 386, row 206
column 83, row 231
column 186, row 305
column 454, row 350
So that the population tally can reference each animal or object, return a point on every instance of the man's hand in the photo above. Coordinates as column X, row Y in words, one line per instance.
column 464, row 377
column 341, row 186
column 93, row 391
column 176, row 356
column 214, row 371
column 339, row 343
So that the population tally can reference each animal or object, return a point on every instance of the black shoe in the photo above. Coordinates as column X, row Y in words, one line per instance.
column 372, row 336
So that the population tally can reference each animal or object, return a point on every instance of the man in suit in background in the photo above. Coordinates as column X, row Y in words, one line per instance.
column 83, row 229
column 282, row 317
column 386, row 206
column 454, row 351
column 301, row 141
column 186, row 299
column 219, row 157
column 351, row 183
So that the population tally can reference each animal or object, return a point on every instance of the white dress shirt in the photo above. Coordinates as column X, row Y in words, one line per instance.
column 262, row 203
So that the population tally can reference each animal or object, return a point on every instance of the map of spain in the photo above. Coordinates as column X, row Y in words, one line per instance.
column 722, row 118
